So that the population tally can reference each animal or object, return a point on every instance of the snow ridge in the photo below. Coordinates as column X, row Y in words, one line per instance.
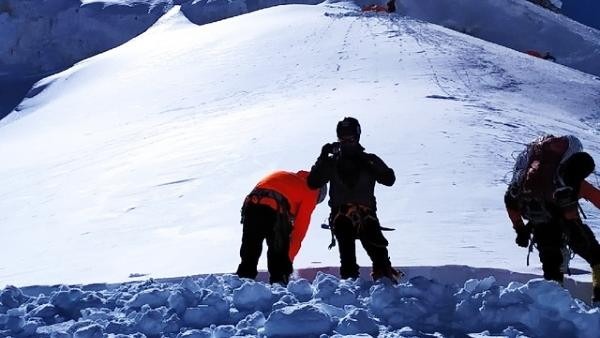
column 225, row 306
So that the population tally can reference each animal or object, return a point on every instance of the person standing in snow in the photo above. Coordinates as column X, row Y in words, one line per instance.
column 544, row 55
column 548, row 180
column 352, row 174
column 278, row 209
column 390, row 7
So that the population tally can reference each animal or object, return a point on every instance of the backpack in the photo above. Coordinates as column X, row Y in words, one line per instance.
column 535, row 175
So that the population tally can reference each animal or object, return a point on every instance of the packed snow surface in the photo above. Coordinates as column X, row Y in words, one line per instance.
column 226, row 306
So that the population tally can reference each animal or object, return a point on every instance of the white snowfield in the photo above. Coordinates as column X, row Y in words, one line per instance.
column 134, row 164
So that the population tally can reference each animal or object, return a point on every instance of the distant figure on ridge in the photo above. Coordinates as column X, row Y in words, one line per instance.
column 390, row 7
column 544, row 55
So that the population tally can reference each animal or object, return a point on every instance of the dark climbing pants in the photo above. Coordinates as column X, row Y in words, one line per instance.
column 370, row 236
column 550, row 238
column 261, row 222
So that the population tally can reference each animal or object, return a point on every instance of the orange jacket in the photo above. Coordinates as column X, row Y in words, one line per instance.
column 586, row 191
column 301, row 198
column 535, row 53
column 590, row 193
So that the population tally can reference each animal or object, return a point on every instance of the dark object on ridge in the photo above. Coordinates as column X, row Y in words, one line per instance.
column 546, row 4
column 391, row 6
column 544, row 55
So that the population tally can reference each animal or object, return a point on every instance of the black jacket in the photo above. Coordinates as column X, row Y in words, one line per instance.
column 351, row 176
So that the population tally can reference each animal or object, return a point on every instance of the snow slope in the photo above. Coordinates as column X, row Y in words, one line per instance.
column 46, row 36
column 137, row 160
column 515, row 24
column 71, row 30
column 42, row 37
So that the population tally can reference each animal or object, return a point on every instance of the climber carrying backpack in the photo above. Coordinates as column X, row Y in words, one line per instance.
column 548, row 180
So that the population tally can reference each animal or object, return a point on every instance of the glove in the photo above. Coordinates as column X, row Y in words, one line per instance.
column 565, row 197
column 372, row 162
column 330, row 148
column 523, row 235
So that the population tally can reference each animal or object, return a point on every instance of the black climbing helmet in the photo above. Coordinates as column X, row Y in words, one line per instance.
column 577, row 167
column 348, row 127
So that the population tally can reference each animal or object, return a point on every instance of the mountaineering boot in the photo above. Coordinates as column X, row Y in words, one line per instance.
column 388, row 271
column 566, row 259
column 596, row 285
column 282, row 279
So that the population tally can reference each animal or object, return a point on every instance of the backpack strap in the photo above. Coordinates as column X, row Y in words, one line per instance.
column 284, row 221
column 356, row 213
column 268, row 197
